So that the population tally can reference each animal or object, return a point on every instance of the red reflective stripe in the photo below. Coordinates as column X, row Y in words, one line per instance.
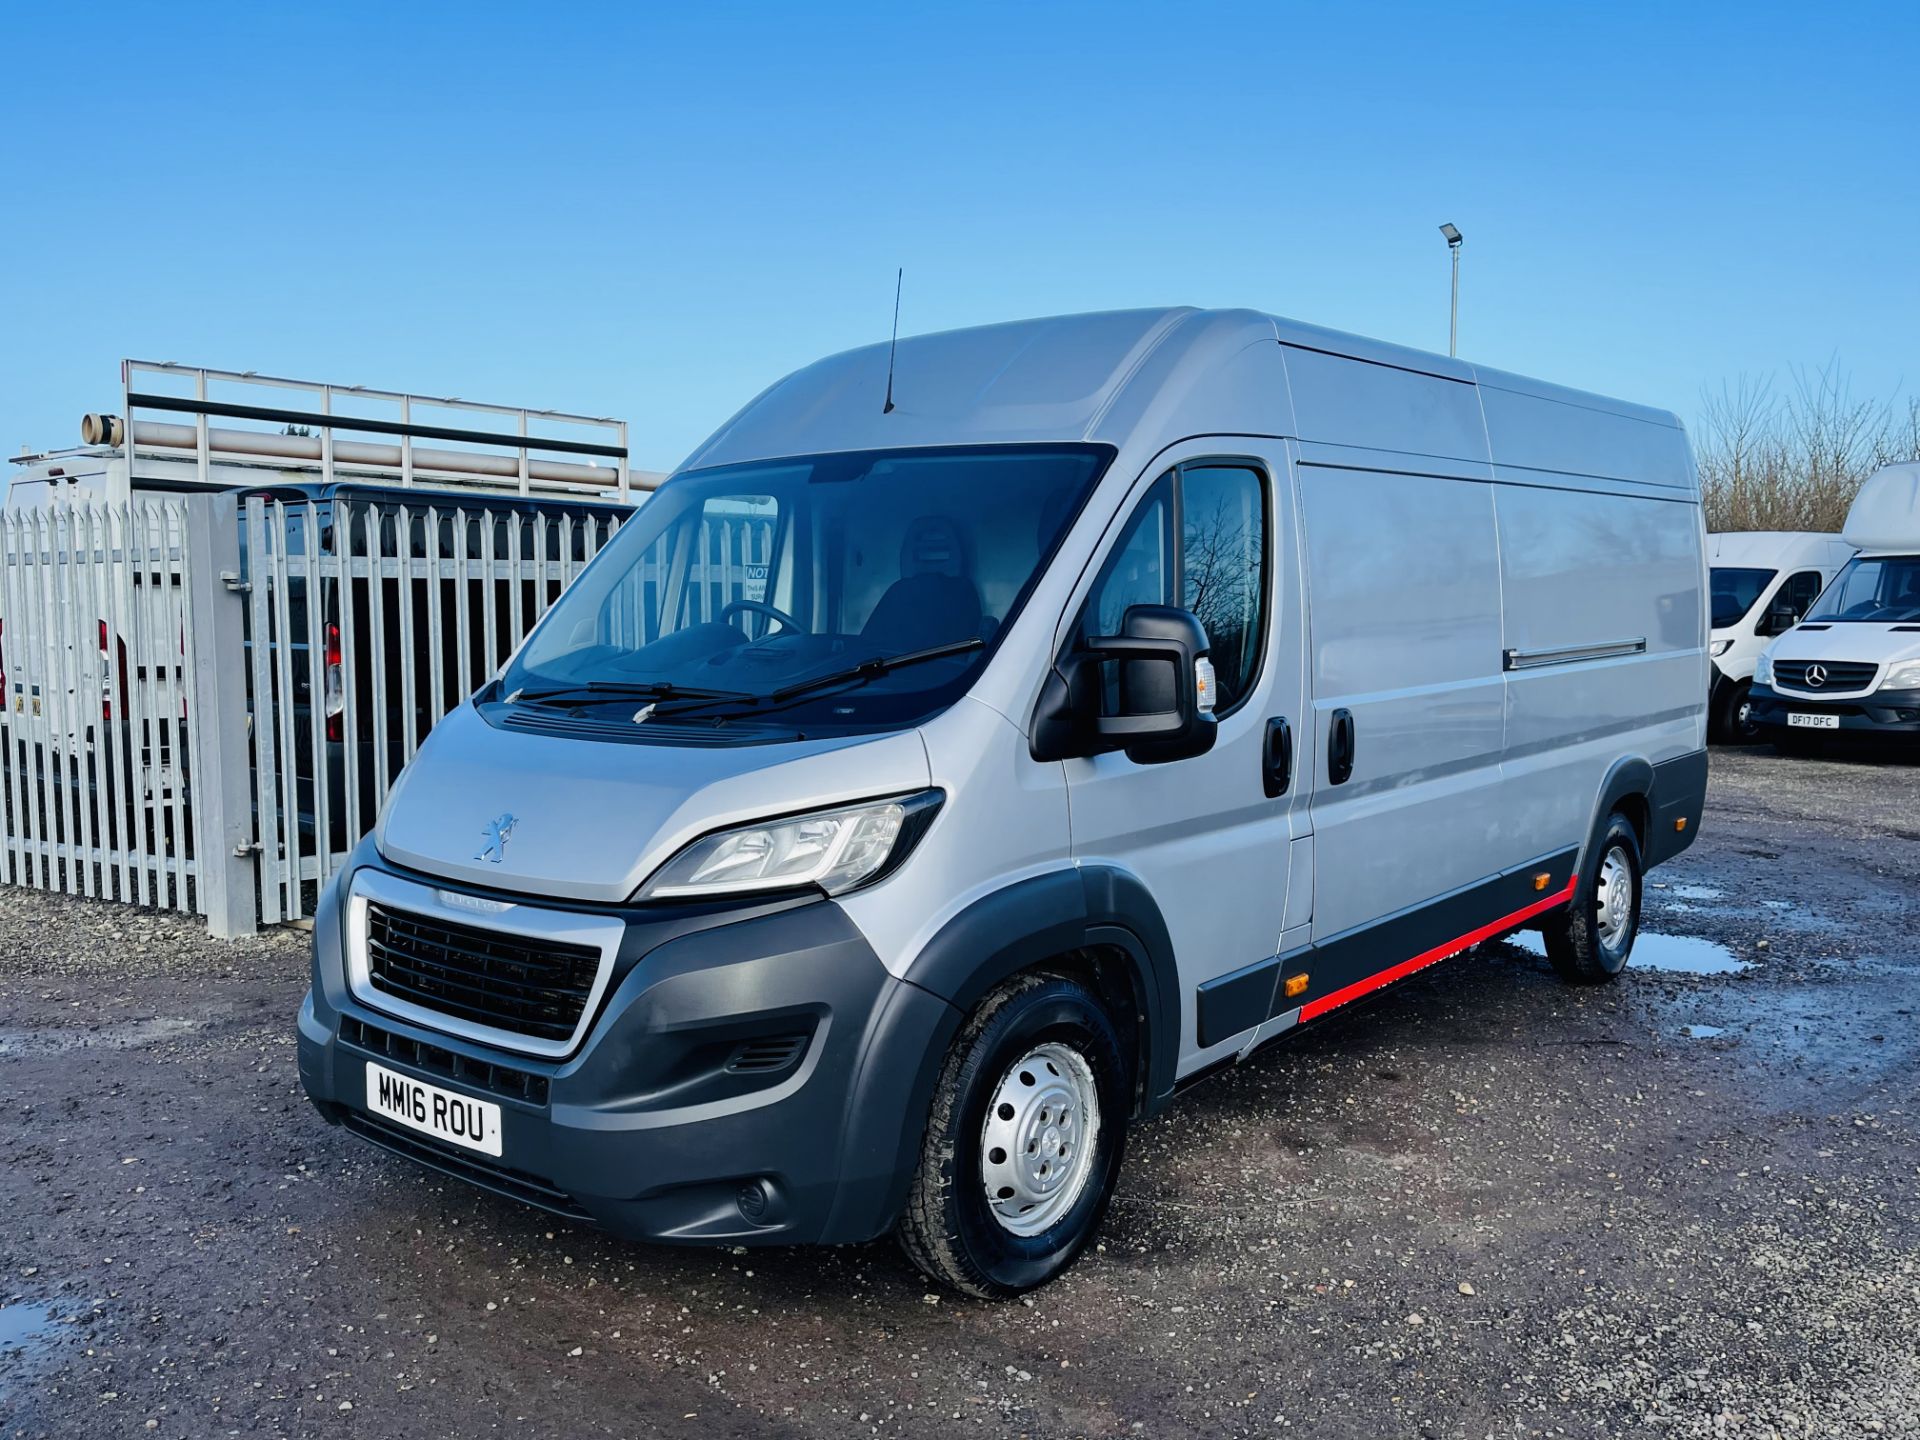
column 1435, row 955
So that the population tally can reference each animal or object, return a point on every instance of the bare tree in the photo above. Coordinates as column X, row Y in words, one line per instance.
column 1768, row 463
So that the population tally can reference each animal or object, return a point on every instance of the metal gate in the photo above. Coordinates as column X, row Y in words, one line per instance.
column 97, row 647
column 378, row 618
column 209, row 701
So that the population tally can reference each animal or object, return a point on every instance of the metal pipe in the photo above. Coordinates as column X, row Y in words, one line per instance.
column 100, row 429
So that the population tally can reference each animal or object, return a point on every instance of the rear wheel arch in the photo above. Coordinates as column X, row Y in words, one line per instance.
column 1627, row 790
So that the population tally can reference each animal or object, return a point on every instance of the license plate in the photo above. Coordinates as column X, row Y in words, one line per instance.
column 457, row 1119
column 1803, row 721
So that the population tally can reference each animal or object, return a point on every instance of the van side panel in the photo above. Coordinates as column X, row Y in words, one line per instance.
column 1337, row 401
column 1404, row 597
column 1537, row 427
column 1578, row 569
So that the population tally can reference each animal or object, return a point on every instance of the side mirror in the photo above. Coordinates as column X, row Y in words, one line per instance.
column 1156, row 703
column 1781, row 617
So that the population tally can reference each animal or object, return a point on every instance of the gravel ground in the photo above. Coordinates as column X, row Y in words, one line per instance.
column 1486, row 1205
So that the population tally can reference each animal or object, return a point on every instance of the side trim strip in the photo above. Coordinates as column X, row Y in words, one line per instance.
column 1573, row 654
column 1436, row 954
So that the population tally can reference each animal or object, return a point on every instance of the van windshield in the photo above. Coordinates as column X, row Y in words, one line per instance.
column 841, row 593
column 1734, row 591
column 1883, row 588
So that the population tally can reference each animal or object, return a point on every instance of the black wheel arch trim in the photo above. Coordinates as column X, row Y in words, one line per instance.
column 1668, row 792
column 1032, row 921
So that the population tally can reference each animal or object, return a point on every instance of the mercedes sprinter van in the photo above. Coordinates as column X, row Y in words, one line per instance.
column 1124, row 692
column 1760, row 583
column 1851, row 668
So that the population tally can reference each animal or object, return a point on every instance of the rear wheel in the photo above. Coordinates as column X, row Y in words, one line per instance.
column 1590, row 940
column 1024, row 1140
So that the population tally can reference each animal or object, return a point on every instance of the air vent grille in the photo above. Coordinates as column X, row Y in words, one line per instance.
column 766, row 1053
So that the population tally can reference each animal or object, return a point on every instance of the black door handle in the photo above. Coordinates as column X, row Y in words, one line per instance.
column 1276, row 760
column 1340, row 745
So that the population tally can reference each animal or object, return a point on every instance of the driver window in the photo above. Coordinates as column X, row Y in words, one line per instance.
column 1801, row 591
column 1140, row 569
column 1198, row 540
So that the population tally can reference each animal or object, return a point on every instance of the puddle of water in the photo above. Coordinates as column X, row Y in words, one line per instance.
column 1669, row 954
column 1701, row 1032
column 22, row 1325
column 1695, row 892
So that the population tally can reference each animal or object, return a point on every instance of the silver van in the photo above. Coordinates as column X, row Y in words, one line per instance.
column 1119, row 693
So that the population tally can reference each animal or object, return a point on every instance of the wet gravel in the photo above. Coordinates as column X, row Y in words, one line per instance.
column 1485, row 1205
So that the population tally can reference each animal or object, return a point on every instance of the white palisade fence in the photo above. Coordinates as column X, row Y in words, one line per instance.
column 96, row 654
column 209, row 698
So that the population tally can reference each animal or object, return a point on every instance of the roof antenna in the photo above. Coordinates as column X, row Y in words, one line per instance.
column 899, row 276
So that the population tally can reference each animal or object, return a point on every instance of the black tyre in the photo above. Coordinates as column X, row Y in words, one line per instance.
column 1590, row 940
column 1733, row 719
column 1025, row 1137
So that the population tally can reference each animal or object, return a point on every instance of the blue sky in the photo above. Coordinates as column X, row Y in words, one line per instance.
column 653, row 212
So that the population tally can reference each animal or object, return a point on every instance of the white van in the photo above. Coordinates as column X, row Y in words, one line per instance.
column 1124, row 692
column 1851, row 668
column 1760, row 583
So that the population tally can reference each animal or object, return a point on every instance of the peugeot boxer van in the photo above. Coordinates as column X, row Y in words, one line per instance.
column 1851, row 669
column 1760, row 583
column 1124, row 692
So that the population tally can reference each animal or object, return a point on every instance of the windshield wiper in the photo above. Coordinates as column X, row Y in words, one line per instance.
column 628, row 690
column 873, row 669
column 870, row 669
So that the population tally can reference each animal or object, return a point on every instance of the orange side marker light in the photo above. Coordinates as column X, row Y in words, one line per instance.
column 1295, row 985
column 1681, row 823
column 1542, row 880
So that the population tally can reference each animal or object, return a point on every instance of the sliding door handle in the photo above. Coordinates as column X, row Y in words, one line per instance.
column 1340, row 748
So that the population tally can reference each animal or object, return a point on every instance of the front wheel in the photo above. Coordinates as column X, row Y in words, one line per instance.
column 1590, row 940
column 1735, row 721
column 1024, row 1140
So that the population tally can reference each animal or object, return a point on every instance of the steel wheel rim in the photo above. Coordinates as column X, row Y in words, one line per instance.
column 1038, row 1141
column 1613, row 898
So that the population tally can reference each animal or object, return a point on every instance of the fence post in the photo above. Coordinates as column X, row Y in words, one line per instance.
column 222, row 788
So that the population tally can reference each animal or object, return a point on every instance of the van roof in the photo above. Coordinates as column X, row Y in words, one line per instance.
column 1885, row 515
column 1117, row 375
column 1775, row 549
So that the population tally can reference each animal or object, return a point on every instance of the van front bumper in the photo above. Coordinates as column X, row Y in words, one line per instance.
column 755, row 1080
column 1890, row 713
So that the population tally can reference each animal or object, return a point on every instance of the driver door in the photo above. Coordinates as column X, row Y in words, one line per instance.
column 1212, row 837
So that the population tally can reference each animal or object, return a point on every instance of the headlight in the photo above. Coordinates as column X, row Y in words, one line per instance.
column 836, row 850
column 1720, row 647
column 1763, row 669
column 1904, row 676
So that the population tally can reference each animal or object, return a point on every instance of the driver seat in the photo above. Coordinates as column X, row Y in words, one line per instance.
column 934, row 602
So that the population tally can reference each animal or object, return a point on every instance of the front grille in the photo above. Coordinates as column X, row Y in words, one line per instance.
column 1842, row 676
column 529, row 986
column 501, row 1179
column 502, row 1080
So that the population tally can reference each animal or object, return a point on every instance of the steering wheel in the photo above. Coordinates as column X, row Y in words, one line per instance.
column 773, row 612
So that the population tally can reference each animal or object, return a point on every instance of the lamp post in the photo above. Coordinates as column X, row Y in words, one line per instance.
column 1453, row 315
